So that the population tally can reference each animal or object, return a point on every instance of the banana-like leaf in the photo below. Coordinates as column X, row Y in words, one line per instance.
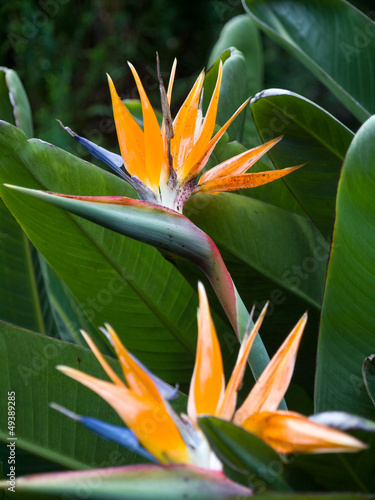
column 114, row 279
column 273, row 255
column 170, row 232
column 243, row 451
column 28, row 283
column 20, row 300
column 311, row 135
column 23, row 300
column 135, row 483
column 334, row 40
column 67, row 314
column 347, row 332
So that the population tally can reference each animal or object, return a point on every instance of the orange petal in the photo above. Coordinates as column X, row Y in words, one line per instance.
column 196, row 168
column 244, row 181
column 184, row 125
column 230, row 397
column 111, row 374
column 137, row 379
column 154, row 151
column 130, row 137
column 240, row 163
column 200, row 146
column 207, row 384
column 271, row 386
column 151, row 423
column 290, row 432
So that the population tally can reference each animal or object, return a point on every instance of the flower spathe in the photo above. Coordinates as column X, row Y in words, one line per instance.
column 163, row 163
column 142, row 401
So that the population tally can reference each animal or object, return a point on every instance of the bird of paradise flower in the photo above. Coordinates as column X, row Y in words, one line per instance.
column 157, row 432
column 163, row 163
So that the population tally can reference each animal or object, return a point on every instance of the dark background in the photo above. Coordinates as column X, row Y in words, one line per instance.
column 62, row 49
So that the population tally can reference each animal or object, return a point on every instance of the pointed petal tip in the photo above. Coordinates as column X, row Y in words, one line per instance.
column 62, row 368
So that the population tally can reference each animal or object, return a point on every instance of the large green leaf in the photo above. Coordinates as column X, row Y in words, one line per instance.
column 136, row 483
column 334, row 40
column 241, row 33
column 310, row 135
column 14, row 103
column 273, row 255
column 243, row 451
column 20, row 291
column 114, row 279
column 20, row 301
column 233, row 91
column 347, row 334
column 27, row 367
column 66, row 312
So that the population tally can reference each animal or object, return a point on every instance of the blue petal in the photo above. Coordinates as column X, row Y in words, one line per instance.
column 120, row 435
column 114, row 161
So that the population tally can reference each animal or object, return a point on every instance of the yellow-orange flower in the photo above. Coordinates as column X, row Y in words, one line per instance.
column 163, row 163
column 141, row 400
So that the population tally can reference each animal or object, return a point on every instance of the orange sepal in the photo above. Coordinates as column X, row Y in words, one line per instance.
column 137, row 379
column 271, row 387
column 290, row 432
column 150, row 422
column 186, row 170
column 240, row 163
column 229, row 402
column 207, row 384
column 184, row 125
column 130, row 137
column 154, row 150
column 244, row 181
column 111, row 374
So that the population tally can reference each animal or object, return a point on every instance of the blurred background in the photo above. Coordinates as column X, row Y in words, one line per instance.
column 62, row 49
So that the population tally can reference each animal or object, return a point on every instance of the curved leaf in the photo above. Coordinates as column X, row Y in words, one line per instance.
column 334, row 40
column 20, row 301
column 273, row 255
column 347, row 332
column 311, row 135
column 18, row 100
column 114, row 279
column 242, row 450
column 251, row 230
